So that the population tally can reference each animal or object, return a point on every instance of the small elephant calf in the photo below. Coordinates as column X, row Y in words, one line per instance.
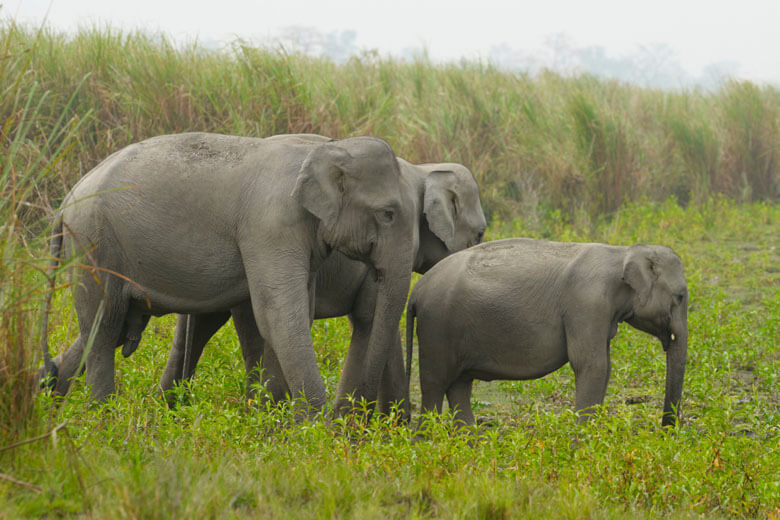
column 521, row 308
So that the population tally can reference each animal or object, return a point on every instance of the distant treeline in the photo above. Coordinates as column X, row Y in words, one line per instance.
column 579, row 145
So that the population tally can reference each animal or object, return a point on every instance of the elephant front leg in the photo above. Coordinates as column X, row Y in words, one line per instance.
column 459, row 398
column 260, row 361
column 282, row 313
column 273, row 378
column 297, row 363
column 262, row 367
column 591, row 365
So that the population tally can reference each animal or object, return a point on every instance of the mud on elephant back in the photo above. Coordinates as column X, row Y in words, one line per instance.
column 521, row 308
column 197, row 223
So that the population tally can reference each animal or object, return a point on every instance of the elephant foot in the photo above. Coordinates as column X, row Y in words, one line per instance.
column 47, row 376
column 350, row 406
column 178, row 395
column 397, row 412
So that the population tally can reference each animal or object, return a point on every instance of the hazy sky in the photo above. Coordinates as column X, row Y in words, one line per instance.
column 744, row 34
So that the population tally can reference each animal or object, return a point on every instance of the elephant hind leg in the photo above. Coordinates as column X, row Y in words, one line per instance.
column 67, row 366
column 459, row 398
column 101, row 322
column 100, row 326
column 97, row 361
column 203, row 327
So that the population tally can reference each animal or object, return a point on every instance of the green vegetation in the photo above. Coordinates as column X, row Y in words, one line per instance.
column 560, row 158
column 535, row 143
column 213, row 457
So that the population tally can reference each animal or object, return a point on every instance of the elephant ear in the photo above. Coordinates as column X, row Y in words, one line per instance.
column 639, row 272
column 440, row 205
column 320, row 184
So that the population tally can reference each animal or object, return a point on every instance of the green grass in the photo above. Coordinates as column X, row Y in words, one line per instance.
column 558, row 158
column 213, row 457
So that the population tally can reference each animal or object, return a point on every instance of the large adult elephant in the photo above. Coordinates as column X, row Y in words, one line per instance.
column 198, row 223
column 521, row 308
column 449, row 218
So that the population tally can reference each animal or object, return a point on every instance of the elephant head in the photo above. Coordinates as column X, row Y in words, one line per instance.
column 366, row 211
column 452, row 216
column 660, row 307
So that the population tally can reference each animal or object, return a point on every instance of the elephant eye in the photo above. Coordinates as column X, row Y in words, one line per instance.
column 385, row 216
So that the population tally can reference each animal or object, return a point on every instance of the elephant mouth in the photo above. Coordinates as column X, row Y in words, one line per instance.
column 361, row 254
column 669, row 337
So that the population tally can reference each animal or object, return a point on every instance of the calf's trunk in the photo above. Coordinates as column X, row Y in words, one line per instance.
column 676, row 355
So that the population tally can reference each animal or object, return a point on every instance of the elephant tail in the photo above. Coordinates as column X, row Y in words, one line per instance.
column 411, row 313
column 55, row 250
column 187, row 370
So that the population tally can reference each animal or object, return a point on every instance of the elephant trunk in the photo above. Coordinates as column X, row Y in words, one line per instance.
column 392, row 289
column 675, row 366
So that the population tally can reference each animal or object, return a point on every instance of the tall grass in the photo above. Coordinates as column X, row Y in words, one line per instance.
column 34, row 141
column 535, row 143
column 751, row 118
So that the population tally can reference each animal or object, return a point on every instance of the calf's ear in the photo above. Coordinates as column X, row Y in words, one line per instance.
column 639, row 273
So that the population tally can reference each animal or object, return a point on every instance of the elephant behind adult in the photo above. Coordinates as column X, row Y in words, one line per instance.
column 522, row 308
column 198, row 223
column 449, row 218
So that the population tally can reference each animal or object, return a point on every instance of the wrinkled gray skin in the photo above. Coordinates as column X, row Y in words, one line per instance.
column 449, row 218
column 521, row 308
column 201, row 223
